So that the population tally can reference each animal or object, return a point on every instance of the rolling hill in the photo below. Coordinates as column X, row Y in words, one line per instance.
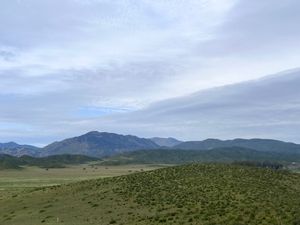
column 9, row 162
column 191, row 194
column 98, row 144
column 264, row 145
column 54, row 161
column 177, row 156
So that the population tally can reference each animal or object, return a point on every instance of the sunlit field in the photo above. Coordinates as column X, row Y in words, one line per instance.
column 12, row 181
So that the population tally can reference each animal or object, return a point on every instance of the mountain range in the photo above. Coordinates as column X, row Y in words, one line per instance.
column 98, row 144
column 263, row 145
column 166, row 142
column 12, row 148
column 103, row 144
column 221, row 155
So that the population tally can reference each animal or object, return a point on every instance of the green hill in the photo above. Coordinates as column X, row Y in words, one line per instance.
column 264, row 145
column 192, row 194
column 230, row 154
column 9, row 162
column 54, row 161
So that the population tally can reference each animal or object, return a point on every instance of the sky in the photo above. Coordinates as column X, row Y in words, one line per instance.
column 191, row 69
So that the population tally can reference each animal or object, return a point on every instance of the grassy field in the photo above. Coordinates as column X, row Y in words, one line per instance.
column 210, row 194
column 17, row 181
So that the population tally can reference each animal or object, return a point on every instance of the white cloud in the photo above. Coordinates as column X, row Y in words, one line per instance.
column 265, row 108
column 57, row 57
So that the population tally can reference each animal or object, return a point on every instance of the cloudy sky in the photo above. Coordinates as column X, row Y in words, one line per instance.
column 177, row 68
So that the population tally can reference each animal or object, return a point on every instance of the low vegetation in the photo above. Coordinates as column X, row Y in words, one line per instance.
column 264, row 164
column 9, row 162
column 14, row 180
column 206, row 194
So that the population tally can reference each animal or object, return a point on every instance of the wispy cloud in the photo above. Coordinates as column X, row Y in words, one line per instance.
column 266, row 108
column 57, row 57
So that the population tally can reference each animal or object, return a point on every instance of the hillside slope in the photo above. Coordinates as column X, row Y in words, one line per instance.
column 192, row 194
column 177, row 156
column 54, row 161
column 98, row 144
column 265, row 145
column 9, row 162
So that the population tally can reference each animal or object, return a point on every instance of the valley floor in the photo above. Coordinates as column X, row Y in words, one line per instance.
column 15, row 181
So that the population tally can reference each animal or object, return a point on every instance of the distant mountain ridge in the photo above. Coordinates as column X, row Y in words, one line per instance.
column 102, row 144
column 264, row 145
column 12, row 148
column 165, row 142
column 98, row 144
